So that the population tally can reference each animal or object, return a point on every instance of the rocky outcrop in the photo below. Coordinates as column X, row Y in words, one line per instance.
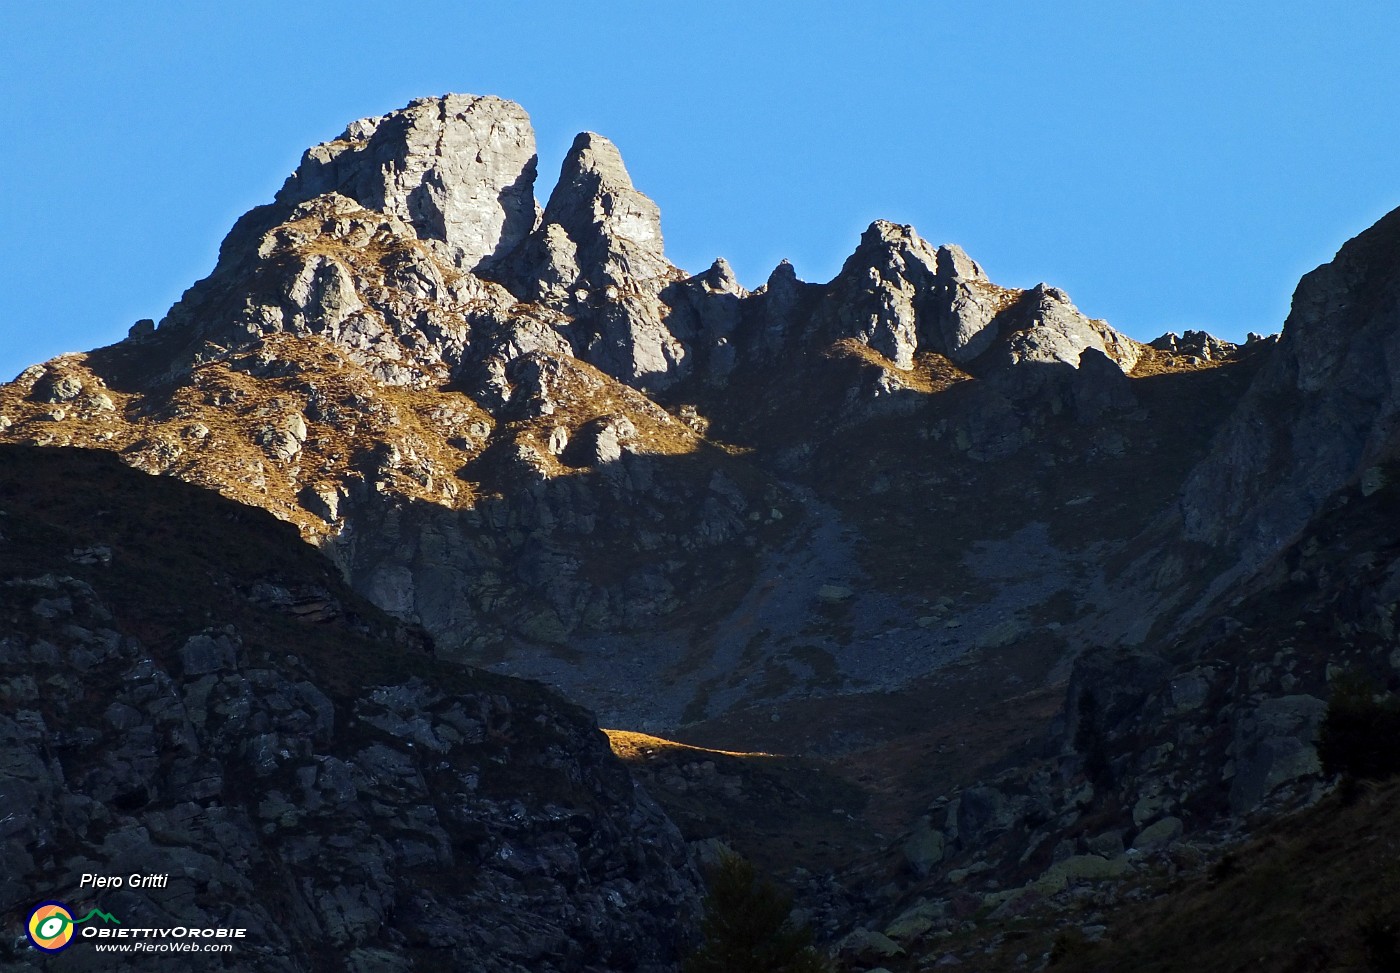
column 875, row 297
column 332, row 270
column 290, row 759
column 1044, row 327
column 598, row 256
column 595, row 539
column 707, row 312
column 1322, row 413
column 900, row 295
column 461, row 421
column 774, row 314
column 613, row 232
column 458, row 170
column 1197, row 344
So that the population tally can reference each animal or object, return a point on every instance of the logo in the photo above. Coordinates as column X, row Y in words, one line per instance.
column 51, row 925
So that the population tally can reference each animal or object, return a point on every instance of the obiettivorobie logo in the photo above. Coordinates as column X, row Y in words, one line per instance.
column 52, row 928
column 51, row 925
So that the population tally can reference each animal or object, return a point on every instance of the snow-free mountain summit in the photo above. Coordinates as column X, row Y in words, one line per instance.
column 1042, row 602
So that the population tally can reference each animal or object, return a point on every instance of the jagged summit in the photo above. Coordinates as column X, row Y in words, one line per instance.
column 415, row 243
column 598, row 233
column 459, row 170
column 598, row 257
column 525, row 426
column 596, row 204
column 404, row 326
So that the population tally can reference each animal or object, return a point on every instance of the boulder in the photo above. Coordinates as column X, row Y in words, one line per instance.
column 916, row 920
column 868, row 946
column 924, row 848
column 1080, row 868
column 1158, row 836
column 1274, row 745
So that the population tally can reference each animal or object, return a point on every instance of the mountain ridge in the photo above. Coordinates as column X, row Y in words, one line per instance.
column 563, row 367
column 809, row 518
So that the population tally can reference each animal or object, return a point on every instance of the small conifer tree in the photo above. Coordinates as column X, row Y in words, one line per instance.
column 1360, row 736
column 748, row 926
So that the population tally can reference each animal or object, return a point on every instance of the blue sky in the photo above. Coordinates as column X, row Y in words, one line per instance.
column 1170, row 165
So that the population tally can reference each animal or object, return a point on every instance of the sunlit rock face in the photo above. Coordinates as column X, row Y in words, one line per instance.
column 458, row 170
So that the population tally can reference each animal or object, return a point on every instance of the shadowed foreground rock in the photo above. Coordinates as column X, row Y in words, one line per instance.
column 187, row 691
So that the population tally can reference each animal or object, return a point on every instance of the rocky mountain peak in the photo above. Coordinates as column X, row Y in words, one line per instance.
column 596, row 204
column 900, row 295
column 1047, row 328
column 953, row 261
column 459, row 169
column 598, row 257
column 721, row 277
column 598, row 238
column 783, row 275
column 897, row 249
column 883, row 282
column 347, row 367
column 413, row 242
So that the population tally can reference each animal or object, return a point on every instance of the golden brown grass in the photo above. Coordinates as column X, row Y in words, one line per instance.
column 1156, row 362
column 630, row 745
column 931, row 372
column 156, row 433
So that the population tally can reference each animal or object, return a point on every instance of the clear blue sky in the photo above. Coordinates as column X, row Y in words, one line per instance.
column 1171, row 165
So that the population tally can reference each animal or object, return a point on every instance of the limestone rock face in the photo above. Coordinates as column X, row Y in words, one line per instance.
column 615, row 230
column 599, row 256
column 1048, row 329
column 775, row 311
column 968, row 305
column 877, row 296
column 707, row 313
column 900, row 295
column 459, row 170
column 358, row 278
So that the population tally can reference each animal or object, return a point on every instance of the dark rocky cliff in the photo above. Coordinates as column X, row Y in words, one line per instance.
column 189, row 692
column 1320, row 417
